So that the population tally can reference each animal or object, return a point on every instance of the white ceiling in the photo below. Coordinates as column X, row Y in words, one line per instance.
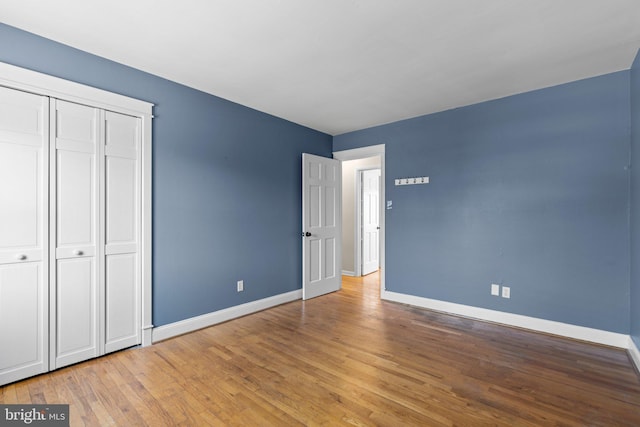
column 343, row 65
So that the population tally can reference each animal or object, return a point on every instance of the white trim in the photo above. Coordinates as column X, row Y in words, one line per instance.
column 194, row 323
column 55, row 87
column 147, row 218
column 634, row 353
column 348, row 273
column 361, row 153
column 535, row 324
column 357, row 223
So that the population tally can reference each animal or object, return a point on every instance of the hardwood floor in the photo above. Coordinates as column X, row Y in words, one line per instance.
column 348, row 359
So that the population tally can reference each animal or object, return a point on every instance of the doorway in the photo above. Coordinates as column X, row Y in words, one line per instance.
column 354, row 162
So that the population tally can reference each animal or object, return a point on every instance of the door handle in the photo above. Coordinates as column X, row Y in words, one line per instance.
column 307, row 234
column 78, row 252
column 21, row 257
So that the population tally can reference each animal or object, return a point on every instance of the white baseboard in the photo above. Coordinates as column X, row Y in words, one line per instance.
column 634, row 352
column 348, row 273
column 540, row 325
column 193, row 324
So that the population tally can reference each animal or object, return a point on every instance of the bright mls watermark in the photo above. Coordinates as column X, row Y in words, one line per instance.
column 34, row 415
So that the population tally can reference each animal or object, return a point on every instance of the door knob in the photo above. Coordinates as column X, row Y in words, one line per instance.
column 21, row 257
column 307, row 234
column 78, row 252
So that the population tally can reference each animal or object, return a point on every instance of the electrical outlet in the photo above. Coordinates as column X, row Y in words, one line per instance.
column 495, row 289
column 506, row 292
column 240, row 285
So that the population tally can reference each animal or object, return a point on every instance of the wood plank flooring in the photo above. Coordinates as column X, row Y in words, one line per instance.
column 348, row 359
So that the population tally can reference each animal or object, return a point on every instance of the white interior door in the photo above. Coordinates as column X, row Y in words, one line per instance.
column 24, row 132
column 122, row 231
column 370, row 210
column 321, row 225
column 75, row 194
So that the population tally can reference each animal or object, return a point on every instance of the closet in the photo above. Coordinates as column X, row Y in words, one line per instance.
column 74, row 224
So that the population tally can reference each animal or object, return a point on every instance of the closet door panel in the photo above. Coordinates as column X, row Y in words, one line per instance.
column 76, row 195
column 19, row 318
column 122, row 205
column 76, row 318
column 20, row 217
column 121, row 302
column 76, row 198
column 24, row 119
column 121, row 200
column 23, row 321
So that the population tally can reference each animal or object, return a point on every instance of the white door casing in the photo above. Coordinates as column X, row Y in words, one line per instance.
column 321, row 225
column 24, row 133
column 370, row 220
column 75, row 191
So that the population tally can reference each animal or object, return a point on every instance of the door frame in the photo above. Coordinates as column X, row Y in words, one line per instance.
column 15, row 77
column 358, row 221
column 361, row 153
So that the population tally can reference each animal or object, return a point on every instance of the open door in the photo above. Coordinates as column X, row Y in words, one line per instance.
column 321, row 225
column 370, row 220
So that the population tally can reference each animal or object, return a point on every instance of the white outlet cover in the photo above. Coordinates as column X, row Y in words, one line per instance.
column 425, row 179
column 419, row 180
column 403, row 181
column 506, row 292
column 495, row 289
column 397, row 182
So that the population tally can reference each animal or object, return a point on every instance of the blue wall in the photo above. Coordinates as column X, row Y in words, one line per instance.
column 226, row 194
column 529, row 191
column 635, row 201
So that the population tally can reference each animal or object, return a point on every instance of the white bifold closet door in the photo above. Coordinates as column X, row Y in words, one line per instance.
column 122, row 231
column 95, row 275
column 24, row 133
column 72, row 253
column 75, row 216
